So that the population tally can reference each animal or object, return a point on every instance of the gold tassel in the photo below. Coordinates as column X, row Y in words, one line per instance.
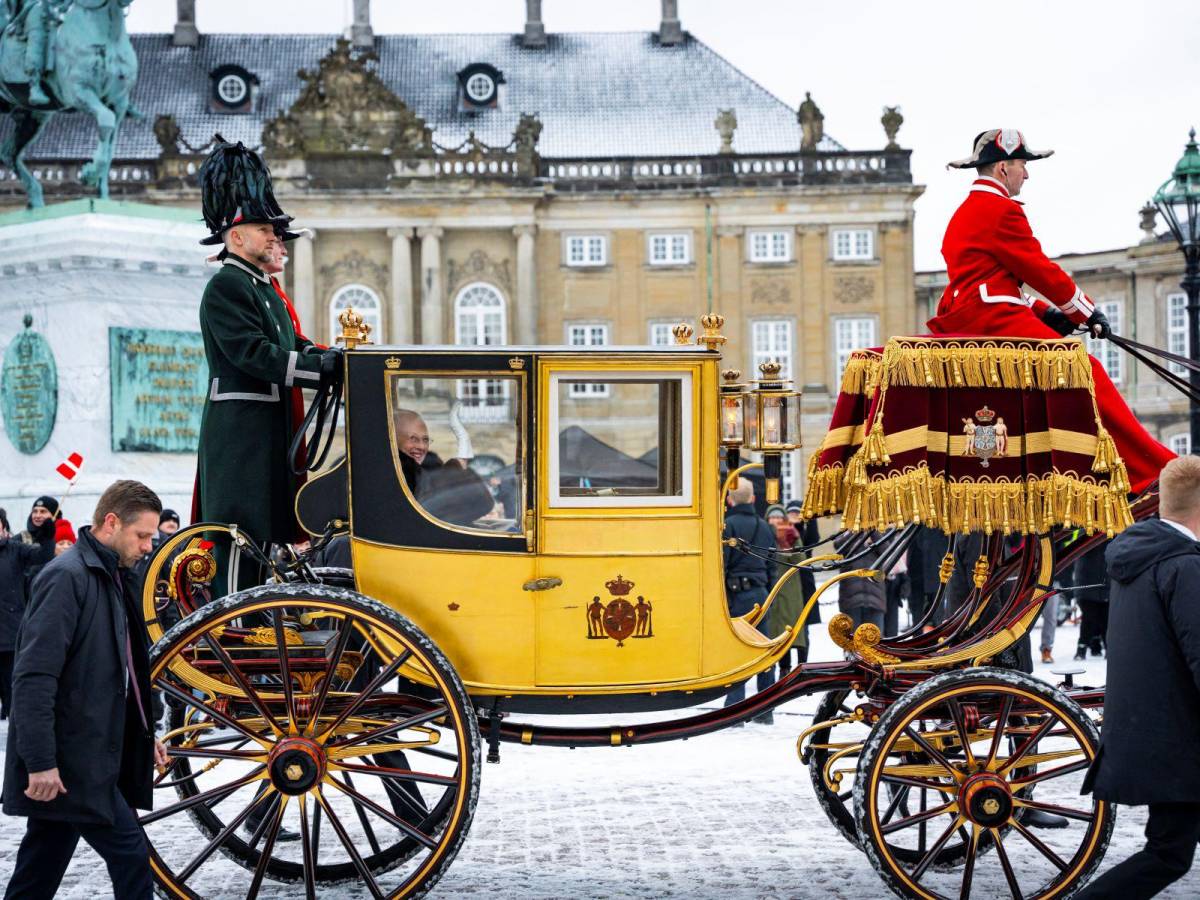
column 875, row 444
column 1106, row 452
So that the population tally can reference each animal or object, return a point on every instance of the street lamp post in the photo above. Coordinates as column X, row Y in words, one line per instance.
column 1178, row 200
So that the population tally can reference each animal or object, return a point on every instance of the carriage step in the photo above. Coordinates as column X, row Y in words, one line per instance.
column 1068, row 674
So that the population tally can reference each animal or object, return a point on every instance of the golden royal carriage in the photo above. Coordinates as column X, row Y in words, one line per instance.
column 351, row 704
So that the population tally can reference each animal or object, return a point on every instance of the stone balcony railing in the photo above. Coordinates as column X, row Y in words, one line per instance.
column 60, row 179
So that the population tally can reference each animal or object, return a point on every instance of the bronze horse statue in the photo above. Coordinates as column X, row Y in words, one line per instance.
column 86, row 64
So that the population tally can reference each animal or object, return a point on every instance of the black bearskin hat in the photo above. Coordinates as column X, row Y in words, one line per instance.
column 235, row 189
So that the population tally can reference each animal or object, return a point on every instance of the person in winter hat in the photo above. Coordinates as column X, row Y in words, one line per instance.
column 64, row 537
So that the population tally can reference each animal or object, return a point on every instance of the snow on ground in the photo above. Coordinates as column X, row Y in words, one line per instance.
column 729, row 815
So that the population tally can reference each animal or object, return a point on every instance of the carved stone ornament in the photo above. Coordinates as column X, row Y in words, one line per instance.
column 891, row 121
column 479, row 266
column 851, row 289
column 771, row 293
column 343, row 108
column 168, row 134
column 356, row 267
column 726, row 125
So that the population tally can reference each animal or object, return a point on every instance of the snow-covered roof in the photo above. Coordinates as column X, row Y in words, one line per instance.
column 597, row 94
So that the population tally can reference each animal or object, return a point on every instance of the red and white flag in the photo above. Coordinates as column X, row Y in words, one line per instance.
column 69, row 468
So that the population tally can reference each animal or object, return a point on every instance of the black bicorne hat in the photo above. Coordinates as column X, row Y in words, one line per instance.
column 998, row 145
column 235, row 189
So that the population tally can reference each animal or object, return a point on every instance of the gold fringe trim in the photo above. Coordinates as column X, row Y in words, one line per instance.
column 861, row 375
column 1040, row 365
column 1032, row 506
column 826, row 493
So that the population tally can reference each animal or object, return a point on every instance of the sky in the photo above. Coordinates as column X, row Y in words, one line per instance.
column 1112, row 87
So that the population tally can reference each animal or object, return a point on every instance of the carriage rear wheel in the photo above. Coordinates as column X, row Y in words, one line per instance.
column 833, row 753
column 318, row 737
column 989, row 740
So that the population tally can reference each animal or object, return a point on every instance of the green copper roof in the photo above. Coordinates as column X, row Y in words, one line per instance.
column 104, row 207
column 1185, row 180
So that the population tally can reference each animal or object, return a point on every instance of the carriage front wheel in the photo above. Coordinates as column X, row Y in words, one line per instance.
column 973, row 751
column 317, row 737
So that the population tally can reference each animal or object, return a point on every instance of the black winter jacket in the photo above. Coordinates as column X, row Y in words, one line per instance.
column 1150, row 742
column 743, row 522
column 15, row 558
column 70, row 707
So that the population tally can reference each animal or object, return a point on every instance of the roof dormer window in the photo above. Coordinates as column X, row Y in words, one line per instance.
column 233, row 90
column 479, row 86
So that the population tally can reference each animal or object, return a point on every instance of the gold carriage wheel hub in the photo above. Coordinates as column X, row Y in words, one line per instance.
column 986, row 800
column 296, row 765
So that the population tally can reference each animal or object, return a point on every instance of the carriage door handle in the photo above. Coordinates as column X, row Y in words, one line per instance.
column 541, row 584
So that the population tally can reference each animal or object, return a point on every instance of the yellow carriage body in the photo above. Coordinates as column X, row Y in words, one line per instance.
column 581, row 586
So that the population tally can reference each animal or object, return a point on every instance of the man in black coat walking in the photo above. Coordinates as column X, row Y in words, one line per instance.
column 747, row 576
column 1150, row 745
column 80, row 746
column 15, row 558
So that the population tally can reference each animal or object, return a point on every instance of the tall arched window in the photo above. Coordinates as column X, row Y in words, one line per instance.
column 481, row 320
column 365, row 302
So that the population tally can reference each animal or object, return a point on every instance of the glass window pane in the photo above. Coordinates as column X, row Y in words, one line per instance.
column 463, row 471
column 1177, row 329
column 629, row 445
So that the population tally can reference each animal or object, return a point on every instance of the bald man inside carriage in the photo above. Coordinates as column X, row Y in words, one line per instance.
column 991, row 255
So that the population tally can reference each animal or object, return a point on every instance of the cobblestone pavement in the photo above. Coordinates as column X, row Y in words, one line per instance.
column 729, row 815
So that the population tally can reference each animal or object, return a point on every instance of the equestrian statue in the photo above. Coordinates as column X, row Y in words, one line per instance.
column 64, row 56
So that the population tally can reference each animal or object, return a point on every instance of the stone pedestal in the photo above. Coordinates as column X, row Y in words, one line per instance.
column 79, row 269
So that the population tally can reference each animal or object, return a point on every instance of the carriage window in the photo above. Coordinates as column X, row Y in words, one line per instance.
column 630, row 448
column 459, row 452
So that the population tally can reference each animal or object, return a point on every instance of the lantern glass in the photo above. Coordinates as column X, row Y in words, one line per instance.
column 732, row 430
column 750, row 411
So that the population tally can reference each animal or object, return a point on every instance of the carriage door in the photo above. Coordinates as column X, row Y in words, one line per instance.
column 620, row 525
column 441, row 501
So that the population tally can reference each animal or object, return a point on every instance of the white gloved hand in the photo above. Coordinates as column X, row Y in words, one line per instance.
column 465, row 451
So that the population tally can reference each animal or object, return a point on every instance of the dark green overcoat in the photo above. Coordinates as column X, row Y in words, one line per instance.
column 255, row 360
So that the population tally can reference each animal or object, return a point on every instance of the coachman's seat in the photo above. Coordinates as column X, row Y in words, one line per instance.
column 970, row 434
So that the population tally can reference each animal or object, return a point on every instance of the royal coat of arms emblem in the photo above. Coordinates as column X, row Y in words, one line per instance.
column 619, row 619
column 987, row 436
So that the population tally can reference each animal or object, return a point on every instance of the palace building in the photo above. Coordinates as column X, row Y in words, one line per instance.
column 532, row 188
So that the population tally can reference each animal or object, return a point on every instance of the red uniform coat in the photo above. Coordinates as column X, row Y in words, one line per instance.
column 990, row 254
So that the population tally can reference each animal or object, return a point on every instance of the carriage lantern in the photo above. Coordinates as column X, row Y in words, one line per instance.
column 772, row 423
column 1178, row 200
column 735, row 403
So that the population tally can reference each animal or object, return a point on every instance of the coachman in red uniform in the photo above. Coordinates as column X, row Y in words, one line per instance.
column 991, row 254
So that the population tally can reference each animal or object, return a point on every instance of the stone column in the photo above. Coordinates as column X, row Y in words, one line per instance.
column 186, row 34
column 431, row 285
column 304, row 286
column 401, row 331
column 526, row 318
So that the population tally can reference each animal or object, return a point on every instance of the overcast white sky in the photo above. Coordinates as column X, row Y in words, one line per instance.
column 1111, row 86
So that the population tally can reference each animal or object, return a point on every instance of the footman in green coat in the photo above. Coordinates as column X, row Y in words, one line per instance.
column 255, row 361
